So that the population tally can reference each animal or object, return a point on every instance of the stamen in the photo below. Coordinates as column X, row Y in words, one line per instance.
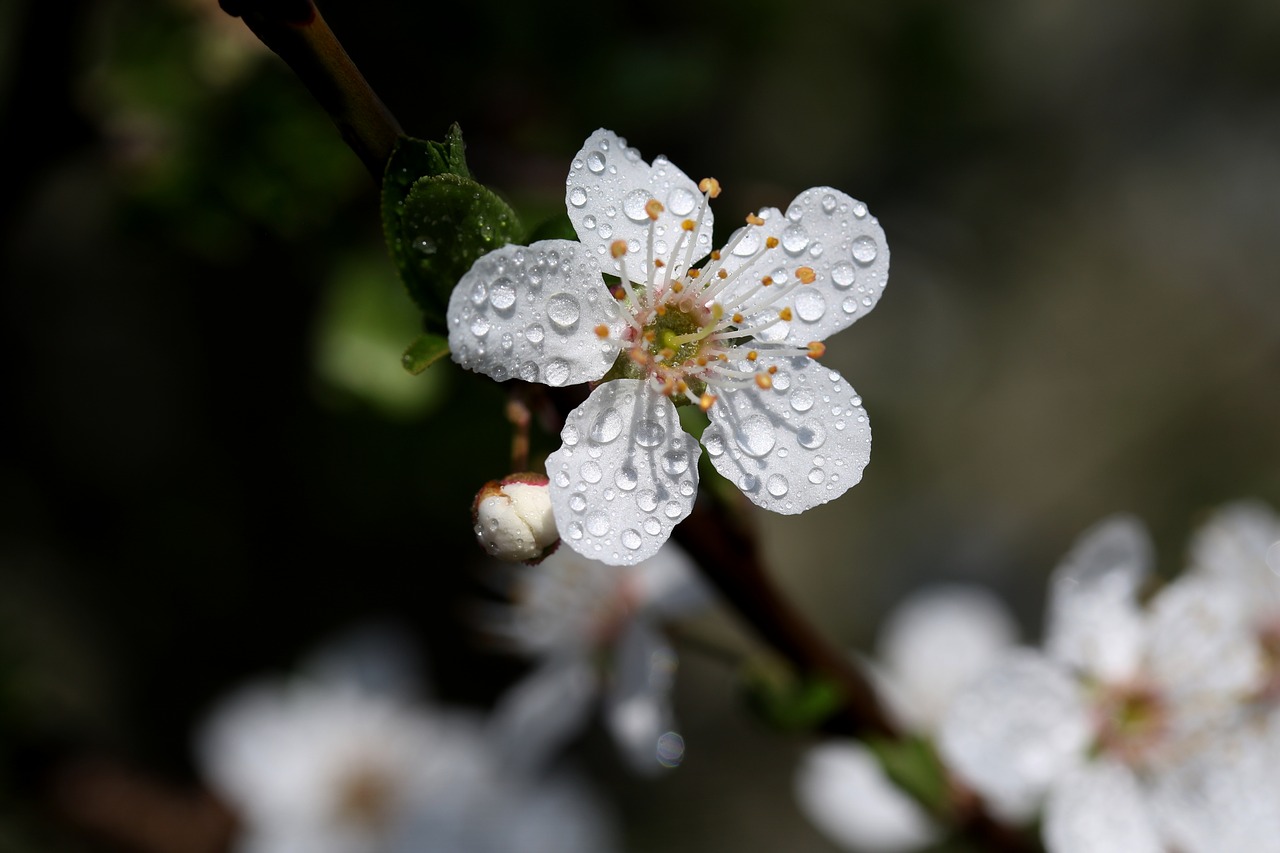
column 785, row 314
column 806, row 274
column 706, row 402
column 653, row 207
column 764, row 381
column 766, row 281
column 753, row 355
column 602, row 331
column 710, row 186
column 817, row 349
column 771, row 242
column 752, row 219
column 618, row 249
column 687, row 225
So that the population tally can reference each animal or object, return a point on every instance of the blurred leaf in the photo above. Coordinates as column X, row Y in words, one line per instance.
column 424, row 352
column 438, row 221
column 556, row 228
column 914, row 767
column 789, row 703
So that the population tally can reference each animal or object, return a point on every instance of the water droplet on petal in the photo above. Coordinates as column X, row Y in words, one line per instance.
column 479, row 293
column 649, row 433
column 575, row 530
column 713, row 440
column 802, row 399
column 810, row 306
column 675, row 463
column 828, row 203
column 563, row 311
column 557, row 372
column 562, row 480
column 755, row 436
column 816, row 476
column 569, row 435
column 577, row 503
column 529, row 371
column 850, row 305
column 633, row 205
column 502, row 294
column 631, row 539
column 794, row 240
column 842, row 274
column 777, row 485
column 626, row 478
column 607, row 426
column 652, row 526
column 749, row 243
column 577, row 196
column 859, row 210
column 595, row 162
column 647, row 500
column 864, row 250
column 480, row 326
column 598, row 523
column 811, row 436
column 680, row 201
column 535, row 333
column 591, row 471
column 672, row 509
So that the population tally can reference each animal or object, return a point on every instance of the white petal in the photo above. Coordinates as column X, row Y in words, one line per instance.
column 935, row 643
column 831, row 234
column 1099, row 808
column 542, row 712
column 1201, row 647
column 606, row 191
column 625, row 475
column 668, row 584
column 1241, row 544
column 1094, row 621
column 638, row 701
column 1014, row 730
column 794, row 446
column 841, row 788
column 531, row 312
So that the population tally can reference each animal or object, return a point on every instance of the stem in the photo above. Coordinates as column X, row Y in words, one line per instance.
column 298, row 34
column 520, row 417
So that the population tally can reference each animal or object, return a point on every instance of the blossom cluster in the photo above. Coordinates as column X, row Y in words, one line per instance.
column 1138, row 725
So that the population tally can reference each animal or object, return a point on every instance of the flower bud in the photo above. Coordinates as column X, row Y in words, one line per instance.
column 513, row 518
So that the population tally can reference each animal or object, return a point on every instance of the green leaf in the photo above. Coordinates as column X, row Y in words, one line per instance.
column 555, row 228
column 424, row 352
column 914, row 767
column 447, row 223
column 789, row 703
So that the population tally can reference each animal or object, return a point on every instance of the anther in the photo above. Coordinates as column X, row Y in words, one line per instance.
column 715, row 254
column 785, row 314
column 764, row 381
column 706, row 401
column 773, row 368
column 694, row 273
column 659, row 263
column 752, row 219
column 767, row 280
column 687, row 225
column 676, row 287
column 771, row 243
column 602, row 331
column 618, row 248
column 682, row 386
column 722, row 274
column 710, row 186
column 753, row 355
column 806, row 275
column 661, row 310
column 817, row 349
column 737, row 318
column 650, row 335
column 653, row 208
column 638, row 355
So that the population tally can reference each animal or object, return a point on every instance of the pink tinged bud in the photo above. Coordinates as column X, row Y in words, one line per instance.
column 513, row 518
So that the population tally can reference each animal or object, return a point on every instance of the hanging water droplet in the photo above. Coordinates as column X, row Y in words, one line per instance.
column 598, row 523
column 828, row 203
column 864, row 250
column 810, row 306
column 529, row 371
column 480, row 326
column 649, row 433
column 777, row 485
column 680, row 201
column 633, row 205
column 631, row 539
column 502, row 294
column 479, row 293
column 755, row 436
column 557, row 372
column 563, row 311
column 595, row 162
column 794, row 240
column 607, row 426
column 575, row 530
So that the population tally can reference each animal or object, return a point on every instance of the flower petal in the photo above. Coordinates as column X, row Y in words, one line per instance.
column 935, row 643
column 1099, row 808
column 638, row 702
column 625, row 475
column 842, row 789
column 668, row 585
column 1014, row 730
column 532, row 312
column 545, row 710
column 606, row 193
column 834, row 237
column 793, row 446
column 1094, row 622
column 1240, row 543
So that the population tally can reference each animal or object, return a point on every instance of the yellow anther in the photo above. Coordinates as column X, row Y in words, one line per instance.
column 752, row 219
column 715, row 254
column 682, row 386
column 638, row 355
column 602, row 331
column 653, row 207
column 773, row 368
column 659, row 263
column 771, row 243
column 667, row 353
column 764, row 380
column 806, row 275
column 753, row 355
column 676, row 287
column 687, row 225
column 785, row 314
column 694, row 273
column 737, row 318
column 650, row 335
column 706, row 401
column 618, row 248
column 817, row 349
column 767, row 280
column 702, row 361
column 722, row 274
column 710, row 186
column 661, row 310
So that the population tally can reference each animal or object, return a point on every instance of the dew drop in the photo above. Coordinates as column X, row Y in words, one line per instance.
column 652, row 526
column 810, row 306
column 631, row 539
column 756, row 437
column 535, row 333
column 575, row 530
column 626, row 478
column 647, row 500
column 598, row 523
column 816, row 476
column 606, row 231
column 577, row 503
column 569, row 435
column 672, row 509
column 425, row 245
column 842, row 274
column 649, row 433
column 859, row 210
column 811, row 436
column 556, row 372
column 680, row 201
column 864, row 250
column 508, row 341
column 675, row 463
column 591, row 471
column 749, row 243
column 777, row 485
column 687, row 489
column 595, row 162
column 802, row 399
column 850, row 305
column 782, row 380
column 480, row 326
column 577, row 196
column 713, row 441
column 479, row 293
column 794, row 240
column 748, row 482
column 633, row 205
column 529, row 371
column 563, row 311
column 828, row 203
column 502, row 294
column 607, row 426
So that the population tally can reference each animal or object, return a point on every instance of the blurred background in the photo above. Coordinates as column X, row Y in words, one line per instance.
column 213, row 460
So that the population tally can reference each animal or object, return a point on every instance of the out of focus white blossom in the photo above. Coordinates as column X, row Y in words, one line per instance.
column 931, row 645
column 331, row 762
column 600, row 626
column 1133, row 727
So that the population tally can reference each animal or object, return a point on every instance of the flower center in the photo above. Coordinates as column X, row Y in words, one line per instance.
column 1131, row 720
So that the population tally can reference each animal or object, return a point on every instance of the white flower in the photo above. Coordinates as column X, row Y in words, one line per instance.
column 332, row 765
column 1120, row 697
column 932, row 645
column 736, row 336
column 513, row 518
column 577, row 614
